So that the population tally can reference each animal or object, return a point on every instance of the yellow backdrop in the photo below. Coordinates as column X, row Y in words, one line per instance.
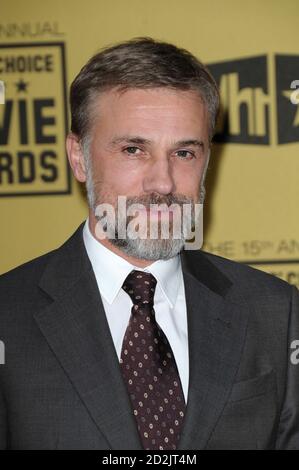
column 251, row 209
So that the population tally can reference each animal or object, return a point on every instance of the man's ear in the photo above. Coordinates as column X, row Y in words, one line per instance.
column 76, row 157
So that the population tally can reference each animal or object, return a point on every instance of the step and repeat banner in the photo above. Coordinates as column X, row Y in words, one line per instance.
column 251, row 208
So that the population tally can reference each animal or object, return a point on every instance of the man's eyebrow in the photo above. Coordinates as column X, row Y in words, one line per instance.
column 128, row 139
column 141, row 140
column 185, row 143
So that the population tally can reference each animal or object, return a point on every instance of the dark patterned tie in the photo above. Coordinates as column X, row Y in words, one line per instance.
column 149, row 369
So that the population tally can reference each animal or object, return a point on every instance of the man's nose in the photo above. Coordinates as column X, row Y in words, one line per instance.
column 159, row 177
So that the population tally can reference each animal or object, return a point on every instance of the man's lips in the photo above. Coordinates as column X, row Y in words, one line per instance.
column 154, row 211
column 158, row 213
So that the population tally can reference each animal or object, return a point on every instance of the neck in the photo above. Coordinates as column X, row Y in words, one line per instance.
column 141, row 263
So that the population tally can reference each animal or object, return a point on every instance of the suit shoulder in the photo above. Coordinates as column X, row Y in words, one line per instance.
column 244, row 275
column 25, row 273
column 21, row 285
column 33, row 268
column 20, row 293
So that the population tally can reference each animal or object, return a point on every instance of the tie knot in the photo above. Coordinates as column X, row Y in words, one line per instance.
column 140, row 286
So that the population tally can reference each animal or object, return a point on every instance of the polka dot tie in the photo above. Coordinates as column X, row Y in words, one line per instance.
column 149, row 369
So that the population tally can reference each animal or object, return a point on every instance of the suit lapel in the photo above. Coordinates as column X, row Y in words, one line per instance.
column 77, row 331
column 217, row 323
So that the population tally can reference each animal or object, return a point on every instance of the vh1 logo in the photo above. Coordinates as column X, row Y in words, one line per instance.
column 254, row 91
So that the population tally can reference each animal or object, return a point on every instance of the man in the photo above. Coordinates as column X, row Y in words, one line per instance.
column 123, row 342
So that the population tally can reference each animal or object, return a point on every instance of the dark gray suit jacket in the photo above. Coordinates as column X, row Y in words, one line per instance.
column 61, row 386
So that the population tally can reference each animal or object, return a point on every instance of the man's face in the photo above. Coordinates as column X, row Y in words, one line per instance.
column 150, row 146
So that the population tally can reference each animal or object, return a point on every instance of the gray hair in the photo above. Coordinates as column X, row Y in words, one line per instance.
column 139, row 63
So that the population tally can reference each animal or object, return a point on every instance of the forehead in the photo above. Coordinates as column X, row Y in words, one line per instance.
column 150, row 97
column 149, row 109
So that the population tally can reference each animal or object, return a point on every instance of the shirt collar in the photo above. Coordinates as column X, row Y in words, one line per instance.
column 111, row 269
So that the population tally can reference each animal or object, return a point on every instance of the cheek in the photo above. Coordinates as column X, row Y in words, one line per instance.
column 118, row 180
column 188, row 179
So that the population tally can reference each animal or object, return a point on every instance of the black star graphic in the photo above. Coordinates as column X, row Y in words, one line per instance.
column 21, row 85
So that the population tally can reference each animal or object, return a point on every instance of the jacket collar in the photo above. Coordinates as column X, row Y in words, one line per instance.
column 72, row 255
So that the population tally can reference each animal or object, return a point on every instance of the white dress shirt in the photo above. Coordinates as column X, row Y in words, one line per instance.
column 111, row 271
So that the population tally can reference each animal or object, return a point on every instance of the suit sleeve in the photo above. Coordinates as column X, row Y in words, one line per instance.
column 3, row 422
column 288, row 430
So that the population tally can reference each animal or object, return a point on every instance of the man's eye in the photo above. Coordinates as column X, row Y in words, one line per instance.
column 131, row 150
column 185, row 153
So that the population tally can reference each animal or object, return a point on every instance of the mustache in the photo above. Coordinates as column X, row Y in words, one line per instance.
column 167, row 200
